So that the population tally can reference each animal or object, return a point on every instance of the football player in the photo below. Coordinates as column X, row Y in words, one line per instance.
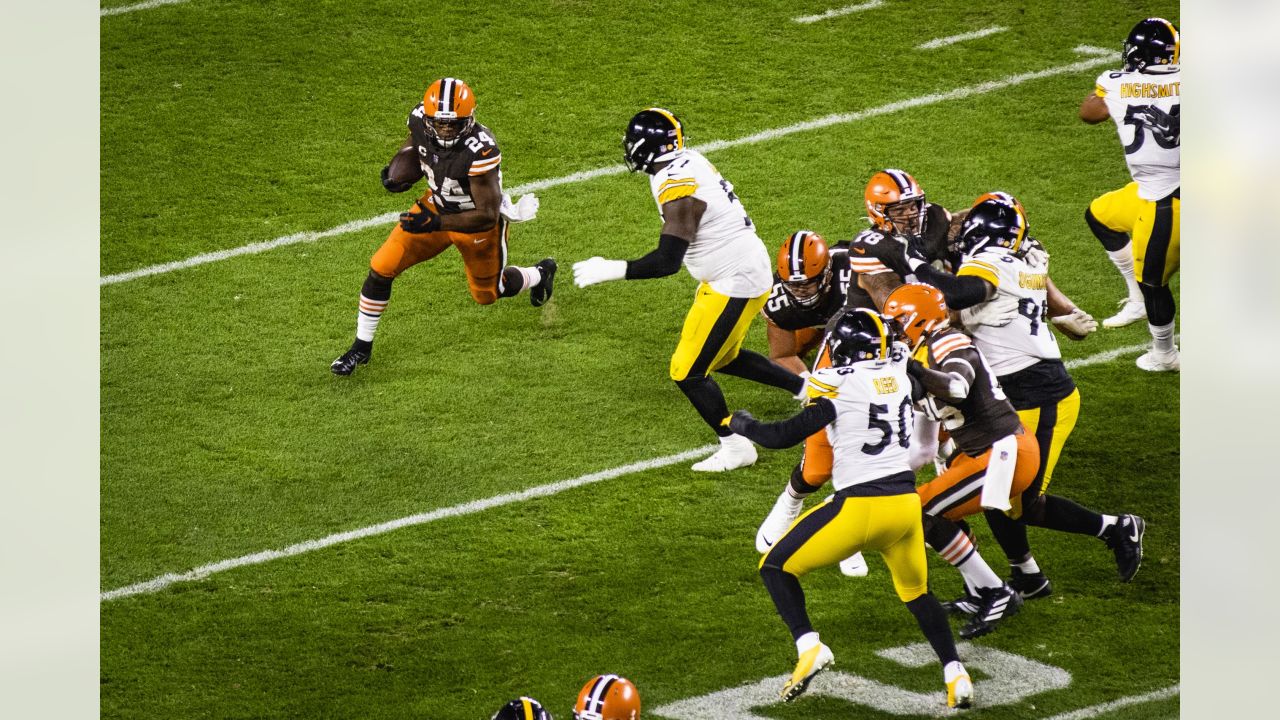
column 607, row 697
column 809, row 287
column 463, row 207
column 1138, row 224
column 705, row 227
column 864, row 401
column 522, row 708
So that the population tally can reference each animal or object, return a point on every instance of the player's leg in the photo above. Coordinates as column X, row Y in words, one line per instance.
column 749, row 364
column 489, row 277
column 811, row 473
column 1156, row 257
column 1112, row 217
column 398, row 252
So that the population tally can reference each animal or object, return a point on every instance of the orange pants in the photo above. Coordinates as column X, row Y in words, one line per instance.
column 957, row 493
column 484, row 255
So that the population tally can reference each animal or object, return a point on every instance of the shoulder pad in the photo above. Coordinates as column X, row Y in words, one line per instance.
column 940, row 346
column 824, row 383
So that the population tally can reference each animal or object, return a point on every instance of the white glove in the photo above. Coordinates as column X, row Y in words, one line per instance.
column 526, row 208
column 1077, row 325
column 996, row 312
column 597, row 270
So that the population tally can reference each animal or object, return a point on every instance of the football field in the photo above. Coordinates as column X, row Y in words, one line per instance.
column 500, row 503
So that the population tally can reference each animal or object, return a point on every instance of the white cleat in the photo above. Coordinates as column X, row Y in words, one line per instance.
column 785, row 511
column 854, row 566
column 1151, row 361
column 1131, row 311
column 735, row 452
column 813, row 661
column 959, row 685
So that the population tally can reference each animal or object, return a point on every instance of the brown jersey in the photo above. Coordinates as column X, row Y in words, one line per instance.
column 985, row 415
column 873, row 252
column 449, row 170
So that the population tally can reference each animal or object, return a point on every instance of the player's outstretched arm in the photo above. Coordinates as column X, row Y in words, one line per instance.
column 784, row 433
column 680, row 224
column 1069, row 319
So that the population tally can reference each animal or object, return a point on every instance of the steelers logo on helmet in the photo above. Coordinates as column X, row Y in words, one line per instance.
column 859, row 334
column 654, row 135
column 522, row 708
column 918, row 309
column 1152, row 43
column 804, row 264
column 450, row 110
column 895, row 203
column 993, row 222
column 607, row 697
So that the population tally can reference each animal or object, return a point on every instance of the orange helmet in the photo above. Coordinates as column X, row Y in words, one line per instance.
column 918, row 309
column 804, row 264
column 450, row 109
column 608, row 697
column 895, row 202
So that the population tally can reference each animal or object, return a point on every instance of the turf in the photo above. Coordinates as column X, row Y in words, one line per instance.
column 224, row 434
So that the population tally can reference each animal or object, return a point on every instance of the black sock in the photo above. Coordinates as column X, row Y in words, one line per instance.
column 1011, row 534
column 707, row 399
column 933, row 623
column 800, row 488
column 751, row 365
column 788, row 598
column 1112, row 240
column 1160, row 304
column 512, row 281
column 1064, row 515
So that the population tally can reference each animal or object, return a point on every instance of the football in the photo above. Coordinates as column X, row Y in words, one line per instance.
column 404, row 167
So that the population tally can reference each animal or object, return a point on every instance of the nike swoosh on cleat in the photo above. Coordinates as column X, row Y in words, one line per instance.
column 1136, row 534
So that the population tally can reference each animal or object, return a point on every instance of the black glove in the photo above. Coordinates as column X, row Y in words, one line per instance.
column 740, row 421
column 1164, row 127
column 392, row 185
column 424, row 221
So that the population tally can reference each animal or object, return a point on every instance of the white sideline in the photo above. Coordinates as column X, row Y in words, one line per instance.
column 468, row 508
column 822, row 122
column 140, row 6
column 837, row 12
column 953, row 39
column 1103, row 708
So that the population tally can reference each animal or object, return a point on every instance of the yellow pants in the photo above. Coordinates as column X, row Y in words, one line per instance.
column 1153, row 227
column 1051, row 427
column 835, row 530
column 713, row 332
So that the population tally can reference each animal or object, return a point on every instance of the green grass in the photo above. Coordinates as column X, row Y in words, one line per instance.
column 223, row 433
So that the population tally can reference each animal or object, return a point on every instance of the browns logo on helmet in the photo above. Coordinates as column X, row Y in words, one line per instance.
column 895, row 202
column 804, row 264
column 608, row 697
column 450, row 109
column 918, row 309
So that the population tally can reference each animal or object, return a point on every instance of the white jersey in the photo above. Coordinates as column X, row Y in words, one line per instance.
column 725, row 251
column 1027, row 339
column 874, row 418
column 1155, row 161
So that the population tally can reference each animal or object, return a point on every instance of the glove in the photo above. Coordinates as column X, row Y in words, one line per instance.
column 996, row 312
column 1077, row 325
column 526, row 208
column 424, row 221
column 1165, row 127
column 597, row 270
column 392, row 185
column 740, row 421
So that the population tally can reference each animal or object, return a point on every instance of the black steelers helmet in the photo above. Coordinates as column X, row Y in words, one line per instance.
column 992, row 221
column 859, row 334
column 653, row 135
column 1151, row 42
column 522, row 708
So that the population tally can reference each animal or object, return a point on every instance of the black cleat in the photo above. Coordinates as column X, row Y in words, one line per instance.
column 967, row 604
column 997, row 604
column 540, row 293
column 1030, row 585
column 1125, row 540
column 346, row 364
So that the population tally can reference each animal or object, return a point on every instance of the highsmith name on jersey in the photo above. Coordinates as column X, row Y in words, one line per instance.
column 785, row 313
column 1027, row 339
column 1155, row 161
column 874, row 418
column 725, row 253
column 449, row 170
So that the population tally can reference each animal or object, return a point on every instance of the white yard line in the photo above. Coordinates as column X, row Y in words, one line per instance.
column 139, row 6
column 953, row 39
column 1106, row 356
column 469, row 508
column 838, row 12
column 1104, row 708
column 818, row 123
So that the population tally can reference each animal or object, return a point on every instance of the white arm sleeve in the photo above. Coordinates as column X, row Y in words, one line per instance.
column 924, row 443
column 999, row 479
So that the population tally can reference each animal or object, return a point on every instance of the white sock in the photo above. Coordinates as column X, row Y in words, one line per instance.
column 532, row 276
column 1107, row 521
column 1028, row 566
column 368, row 317
column 806, row 642
column 952, row 670
column 1123, row 260
column 789, row 497
column 964, row 556
column 1162, row 338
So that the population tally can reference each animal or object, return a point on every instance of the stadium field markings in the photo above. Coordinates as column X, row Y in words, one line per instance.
column 838, row 12
column 1106, row 707
column 953, row 39
column 139, row 6
column 467, row 508
column 584, row 175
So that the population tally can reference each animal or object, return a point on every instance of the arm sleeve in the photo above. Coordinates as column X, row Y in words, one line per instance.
column 961, row 292
column 793, row 430
column 663, row 261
